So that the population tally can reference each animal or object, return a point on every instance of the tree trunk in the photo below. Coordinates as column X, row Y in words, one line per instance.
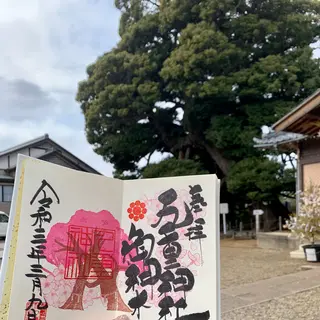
column 216, row 155
column 272, row 213
column 74, row 302
column 187, row 156
column 109, row 289
column 114, row 299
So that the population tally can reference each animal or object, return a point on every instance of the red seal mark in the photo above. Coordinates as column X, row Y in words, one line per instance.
column 91, row 249
column 33, row 313
column 137, row 210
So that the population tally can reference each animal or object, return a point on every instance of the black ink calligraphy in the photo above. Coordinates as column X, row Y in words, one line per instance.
column 37, row 303
column 195, row 232
column 174, row 278
column 170, row 277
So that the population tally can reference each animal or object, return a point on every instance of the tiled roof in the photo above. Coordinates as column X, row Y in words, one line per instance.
column 274, row 139
column 55, row 146
column 23, row 145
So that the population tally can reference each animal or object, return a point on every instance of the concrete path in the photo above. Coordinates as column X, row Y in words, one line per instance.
column 265, row 290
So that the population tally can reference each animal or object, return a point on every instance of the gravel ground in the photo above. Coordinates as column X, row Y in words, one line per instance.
column 242, row 262
column 299, row 306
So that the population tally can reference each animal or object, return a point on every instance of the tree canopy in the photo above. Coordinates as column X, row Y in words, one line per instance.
column 198, row 79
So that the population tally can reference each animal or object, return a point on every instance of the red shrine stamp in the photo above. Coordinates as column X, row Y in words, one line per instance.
column 89, row 253
column 35, row 314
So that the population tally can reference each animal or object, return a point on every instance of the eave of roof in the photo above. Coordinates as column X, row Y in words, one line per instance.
column 275, row 139
column 309, row 104
column 45, row 138
column 79, row 162
column 4, row 177
column 59, row 154
column 24, row 145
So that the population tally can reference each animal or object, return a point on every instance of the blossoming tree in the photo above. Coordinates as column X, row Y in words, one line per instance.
column 306, row 225
column 86, row 254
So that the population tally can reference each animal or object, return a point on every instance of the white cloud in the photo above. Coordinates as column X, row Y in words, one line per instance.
column 52, row 41
column 21, row 99
column 45, row 48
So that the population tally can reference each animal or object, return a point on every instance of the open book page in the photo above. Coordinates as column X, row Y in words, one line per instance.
column 83, row 246
column 9, row 253
column 68, row 229
column 173, row 222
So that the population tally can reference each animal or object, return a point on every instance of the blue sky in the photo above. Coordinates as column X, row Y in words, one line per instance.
column 45, row 48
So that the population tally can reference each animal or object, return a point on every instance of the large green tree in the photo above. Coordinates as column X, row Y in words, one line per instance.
column 197, row 79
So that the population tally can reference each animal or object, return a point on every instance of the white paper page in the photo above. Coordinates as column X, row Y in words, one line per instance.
column 87, row 226
column 81, row 204
column 197, row 259
column 12, row 216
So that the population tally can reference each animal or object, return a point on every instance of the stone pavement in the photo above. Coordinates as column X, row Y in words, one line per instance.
column 264, row 290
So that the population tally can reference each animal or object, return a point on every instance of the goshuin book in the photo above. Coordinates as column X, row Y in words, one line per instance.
column 83, row 246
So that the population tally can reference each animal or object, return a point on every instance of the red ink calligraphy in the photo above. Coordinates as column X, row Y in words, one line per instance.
column 31, row 313
column 97, row 264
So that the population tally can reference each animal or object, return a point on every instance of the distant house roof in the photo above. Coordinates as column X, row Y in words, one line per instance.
column 26, row 144
column 58, row 149
column 274, row 139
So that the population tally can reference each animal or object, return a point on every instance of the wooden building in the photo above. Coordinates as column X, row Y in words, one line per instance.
column 305, row 120
column 299, row 130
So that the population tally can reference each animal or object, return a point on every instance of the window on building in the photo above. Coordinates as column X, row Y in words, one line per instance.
column 6, row 193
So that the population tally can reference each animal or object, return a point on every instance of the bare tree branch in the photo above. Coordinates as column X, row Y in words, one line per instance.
column 76, row 247
column 153, row 3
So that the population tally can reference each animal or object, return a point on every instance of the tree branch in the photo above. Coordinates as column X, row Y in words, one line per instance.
column 64, row 247
column 76, row 246
column 154, row 3
column 287, row 195
column 291, row 161
column 223, row 163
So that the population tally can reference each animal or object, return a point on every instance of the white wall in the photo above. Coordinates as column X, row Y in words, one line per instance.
column 4, row 162
column 34, row 152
